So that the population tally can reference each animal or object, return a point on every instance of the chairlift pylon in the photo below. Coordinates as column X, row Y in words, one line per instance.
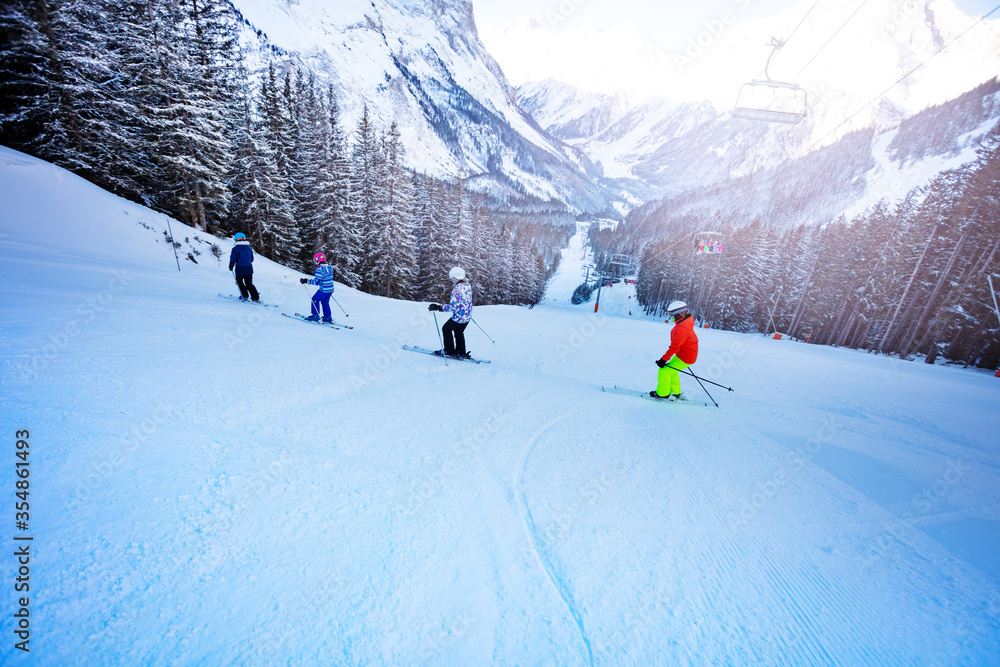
column 771, row 101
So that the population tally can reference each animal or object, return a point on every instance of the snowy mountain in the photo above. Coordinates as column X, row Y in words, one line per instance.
column 421, row 64
column 214, row 484
column 683, row 137
column 570, row 113
column 845, row 177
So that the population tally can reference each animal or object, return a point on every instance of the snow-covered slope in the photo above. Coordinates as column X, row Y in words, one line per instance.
column 616, row 300
column 421, row 65
column 211, row 483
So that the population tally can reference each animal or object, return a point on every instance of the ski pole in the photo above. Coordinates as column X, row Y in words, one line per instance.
column 312, row 305
column 687, row 372
column 698, row 379
column 484, row 331
column 339, row 306
column 440, row 338
column 703, row 387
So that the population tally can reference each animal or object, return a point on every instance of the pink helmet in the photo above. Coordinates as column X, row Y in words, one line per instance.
column 319, row 258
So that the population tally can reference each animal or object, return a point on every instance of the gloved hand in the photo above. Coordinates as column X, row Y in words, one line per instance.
column 661, row 363
column 435, row 306
column 303, row 280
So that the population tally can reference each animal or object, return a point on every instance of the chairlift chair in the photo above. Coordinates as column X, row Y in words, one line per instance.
column 708, row 243
column 623, row 263
column 621, row 260
column 769, row 100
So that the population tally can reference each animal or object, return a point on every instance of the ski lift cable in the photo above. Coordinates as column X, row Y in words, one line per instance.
column 844, row 25
column 899, row 81
column 799, row 25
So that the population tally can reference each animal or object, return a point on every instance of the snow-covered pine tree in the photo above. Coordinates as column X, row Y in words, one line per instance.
column 190, row 145
column 479, row 260
column 461, row 223
column 339, row 233
column 312, row 164
column 269, row 205
column 29, row 99
column 369, row 200
column 293, row 154
column 442, row 242
column 423, row 223
column 504, row 274
column 64, row 96
column 394, row 261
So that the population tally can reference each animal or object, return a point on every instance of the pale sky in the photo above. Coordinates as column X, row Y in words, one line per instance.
column 665, row 22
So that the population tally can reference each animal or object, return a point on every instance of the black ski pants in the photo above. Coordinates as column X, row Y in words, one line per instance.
column 246, row 287
column 454, row 337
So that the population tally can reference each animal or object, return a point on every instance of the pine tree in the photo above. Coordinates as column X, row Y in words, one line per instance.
column 338, row 231
column 190, row 145
column 442, row 243
column 394, row 243
column 269, row 207
column 369, row 198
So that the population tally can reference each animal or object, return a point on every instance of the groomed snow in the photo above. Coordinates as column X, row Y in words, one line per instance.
column 212, row 483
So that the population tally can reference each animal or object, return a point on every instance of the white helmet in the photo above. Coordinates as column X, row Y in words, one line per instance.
column 456, row 274
column 676, row 307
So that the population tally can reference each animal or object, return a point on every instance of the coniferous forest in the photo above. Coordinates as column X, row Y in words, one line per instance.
column 153, row 100
column 912, row 279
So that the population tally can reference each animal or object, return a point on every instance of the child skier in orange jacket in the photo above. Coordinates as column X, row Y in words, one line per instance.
column 682, row 353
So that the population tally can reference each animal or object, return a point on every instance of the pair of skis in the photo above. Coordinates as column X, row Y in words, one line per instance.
column 411, row 348
column 645, row 394
column 256, row 303
column 330, row 325
column 296, row 316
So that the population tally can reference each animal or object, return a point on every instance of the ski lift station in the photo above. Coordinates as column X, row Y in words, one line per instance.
column 769, row 100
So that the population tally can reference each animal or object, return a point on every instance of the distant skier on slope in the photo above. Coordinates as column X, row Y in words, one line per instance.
column 323, row 280
column 241, row 257
column 461, row 312
column 682, row 353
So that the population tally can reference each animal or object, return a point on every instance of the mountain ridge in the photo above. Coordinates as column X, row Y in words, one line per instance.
column 423, row 66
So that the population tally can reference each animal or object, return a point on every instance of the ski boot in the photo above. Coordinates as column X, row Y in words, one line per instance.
column 312, row 318
column 327, row 320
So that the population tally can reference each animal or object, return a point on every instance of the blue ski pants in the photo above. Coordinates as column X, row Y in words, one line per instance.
column 322, row 298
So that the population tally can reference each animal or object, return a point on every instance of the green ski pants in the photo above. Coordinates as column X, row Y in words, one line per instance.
column 668, row 380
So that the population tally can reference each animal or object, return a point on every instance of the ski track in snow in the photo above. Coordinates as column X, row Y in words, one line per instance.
column 558, row 582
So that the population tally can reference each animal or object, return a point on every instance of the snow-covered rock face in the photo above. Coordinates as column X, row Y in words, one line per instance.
column 421, row 65
column 681, row 136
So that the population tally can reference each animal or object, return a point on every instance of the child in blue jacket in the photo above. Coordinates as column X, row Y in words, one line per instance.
column 323, row 280
column 241, row 258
